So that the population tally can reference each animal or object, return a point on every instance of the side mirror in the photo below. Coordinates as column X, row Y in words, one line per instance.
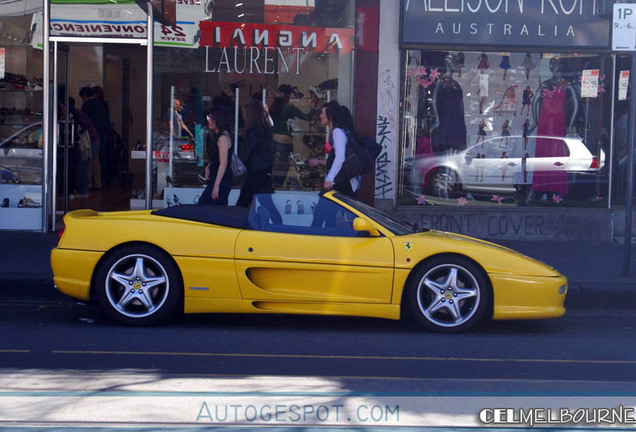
column 363, row 225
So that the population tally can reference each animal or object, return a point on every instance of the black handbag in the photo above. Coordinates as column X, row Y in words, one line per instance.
column 357, row 161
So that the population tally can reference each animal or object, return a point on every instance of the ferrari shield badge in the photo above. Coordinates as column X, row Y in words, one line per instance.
column 408, row 246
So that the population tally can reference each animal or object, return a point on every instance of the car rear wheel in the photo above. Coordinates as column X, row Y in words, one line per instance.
column 448, row 294
column 138, row 285
column 443, row 183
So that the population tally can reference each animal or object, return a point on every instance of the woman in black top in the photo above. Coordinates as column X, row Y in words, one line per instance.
column 258, row 157
column 218, row 170
column 258, row 154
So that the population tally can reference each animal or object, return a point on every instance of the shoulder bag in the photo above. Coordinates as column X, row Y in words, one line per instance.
column 84, row 146
column 357, row 161
column 239, row 171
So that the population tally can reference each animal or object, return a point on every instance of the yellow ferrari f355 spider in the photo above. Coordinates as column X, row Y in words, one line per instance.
column 295, row 253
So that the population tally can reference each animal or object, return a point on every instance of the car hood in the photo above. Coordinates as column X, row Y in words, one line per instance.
column 494, row 258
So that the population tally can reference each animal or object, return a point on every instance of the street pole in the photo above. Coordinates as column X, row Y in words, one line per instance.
column 149, row 71
column 630, row 173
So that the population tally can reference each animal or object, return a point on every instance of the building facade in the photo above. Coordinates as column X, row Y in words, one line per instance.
column 293, row 55
column 503, row 126
column 492, row 122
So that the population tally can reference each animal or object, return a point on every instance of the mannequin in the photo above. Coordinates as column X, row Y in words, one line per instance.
column 449, row 130
column 552, row 101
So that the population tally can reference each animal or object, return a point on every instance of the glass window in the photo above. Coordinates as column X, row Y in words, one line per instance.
column 293, row 56
column 301, row 214
column 506, row 129
column 21, row 98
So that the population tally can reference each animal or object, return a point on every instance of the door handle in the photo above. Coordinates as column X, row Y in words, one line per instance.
column 557, row 163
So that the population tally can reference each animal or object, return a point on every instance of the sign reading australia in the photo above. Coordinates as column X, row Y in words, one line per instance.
column 507, row 23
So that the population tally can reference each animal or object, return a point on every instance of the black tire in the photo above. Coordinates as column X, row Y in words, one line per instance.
column 448, row 294
column 443, row 183
column 122, row 285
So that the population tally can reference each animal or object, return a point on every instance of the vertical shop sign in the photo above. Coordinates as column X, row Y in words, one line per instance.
column 2, row 62
column 623, row 84
column 589, row 83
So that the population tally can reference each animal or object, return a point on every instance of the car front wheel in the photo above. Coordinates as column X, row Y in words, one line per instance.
column 443, row 183
column 138, row 285
column 448, row 294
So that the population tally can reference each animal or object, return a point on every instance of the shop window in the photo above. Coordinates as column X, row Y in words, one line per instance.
column 506, row 129
column 293, row 57
column 20, row 126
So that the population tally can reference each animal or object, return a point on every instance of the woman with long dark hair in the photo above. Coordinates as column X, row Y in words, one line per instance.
column 282, row 111
column 218, row 171
column 258, row 153
column 331, row 116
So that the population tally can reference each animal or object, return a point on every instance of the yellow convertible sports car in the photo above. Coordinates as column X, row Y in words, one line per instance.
column 295, row 253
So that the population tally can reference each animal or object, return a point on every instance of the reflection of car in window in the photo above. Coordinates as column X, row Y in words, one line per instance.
column 21, row 153
column 497, row 166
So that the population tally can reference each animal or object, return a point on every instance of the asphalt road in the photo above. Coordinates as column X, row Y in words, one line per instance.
column 64, row 365
column 595, row 348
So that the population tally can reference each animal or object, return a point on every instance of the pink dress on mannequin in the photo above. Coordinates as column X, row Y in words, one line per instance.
column 552, row 124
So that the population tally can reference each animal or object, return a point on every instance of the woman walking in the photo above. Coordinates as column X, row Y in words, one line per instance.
column 218, row 171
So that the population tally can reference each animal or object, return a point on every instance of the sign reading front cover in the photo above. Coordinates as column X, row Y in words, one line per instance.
column 511, row 23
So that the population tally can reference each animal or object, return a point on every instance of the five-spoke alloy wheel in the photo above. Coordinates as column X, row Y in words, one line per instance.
column 138, row 285
column 448, row 294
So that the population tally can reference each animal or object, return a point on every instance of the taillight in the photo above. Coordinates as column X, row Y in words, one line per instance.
column 60, row 233
column 186, row 147
column 595, row 163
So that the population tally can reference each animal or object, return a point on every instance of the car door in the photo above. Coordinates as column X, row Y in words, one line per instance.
column 298, row 259
column 554, row 155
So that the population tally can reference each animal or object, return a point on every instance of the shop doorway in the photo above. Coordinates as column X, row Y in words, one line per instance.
column 105, row 82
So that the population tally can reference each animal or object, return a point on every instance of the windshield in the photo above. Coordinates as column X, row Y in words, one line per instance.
column 396, row 227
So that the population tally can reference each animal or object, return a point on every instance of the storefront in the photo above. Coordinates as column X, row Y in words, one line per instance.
column 509, row 119
column 294, row 55
column 21, row 106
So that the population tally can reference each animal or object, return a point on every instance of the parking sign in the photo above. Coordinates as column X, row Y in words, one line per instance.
column 624, row 27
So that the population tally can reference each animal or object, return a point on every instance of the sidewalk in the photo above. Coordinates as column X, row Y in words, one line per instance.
column 594, row 271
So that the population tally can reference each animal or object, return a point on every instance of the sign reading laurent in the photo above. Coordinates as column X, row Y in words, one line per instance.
column 267, row 48
column 514, row 23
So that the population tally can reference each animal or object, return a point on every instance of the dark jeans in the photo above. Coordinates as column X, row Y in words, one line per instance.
column 224, row 192
column 256, row 182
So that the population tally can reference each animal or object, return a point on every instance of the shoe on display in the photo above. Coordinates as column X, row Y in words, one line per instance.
column 315, row 90
column 27, row 202
column 5, row 202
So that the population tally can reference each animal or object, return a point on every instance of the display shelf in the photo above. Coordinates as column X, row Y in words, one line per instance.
column 20, row 218
column 8, row 90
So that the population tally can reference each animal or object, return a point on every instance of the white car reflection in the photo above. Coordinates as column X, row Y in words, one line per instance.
column 21, row 156
column 495, row 165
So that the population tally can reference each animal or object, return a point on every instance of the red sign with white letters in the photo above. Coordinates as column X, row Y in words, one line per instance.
column 231, row 34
